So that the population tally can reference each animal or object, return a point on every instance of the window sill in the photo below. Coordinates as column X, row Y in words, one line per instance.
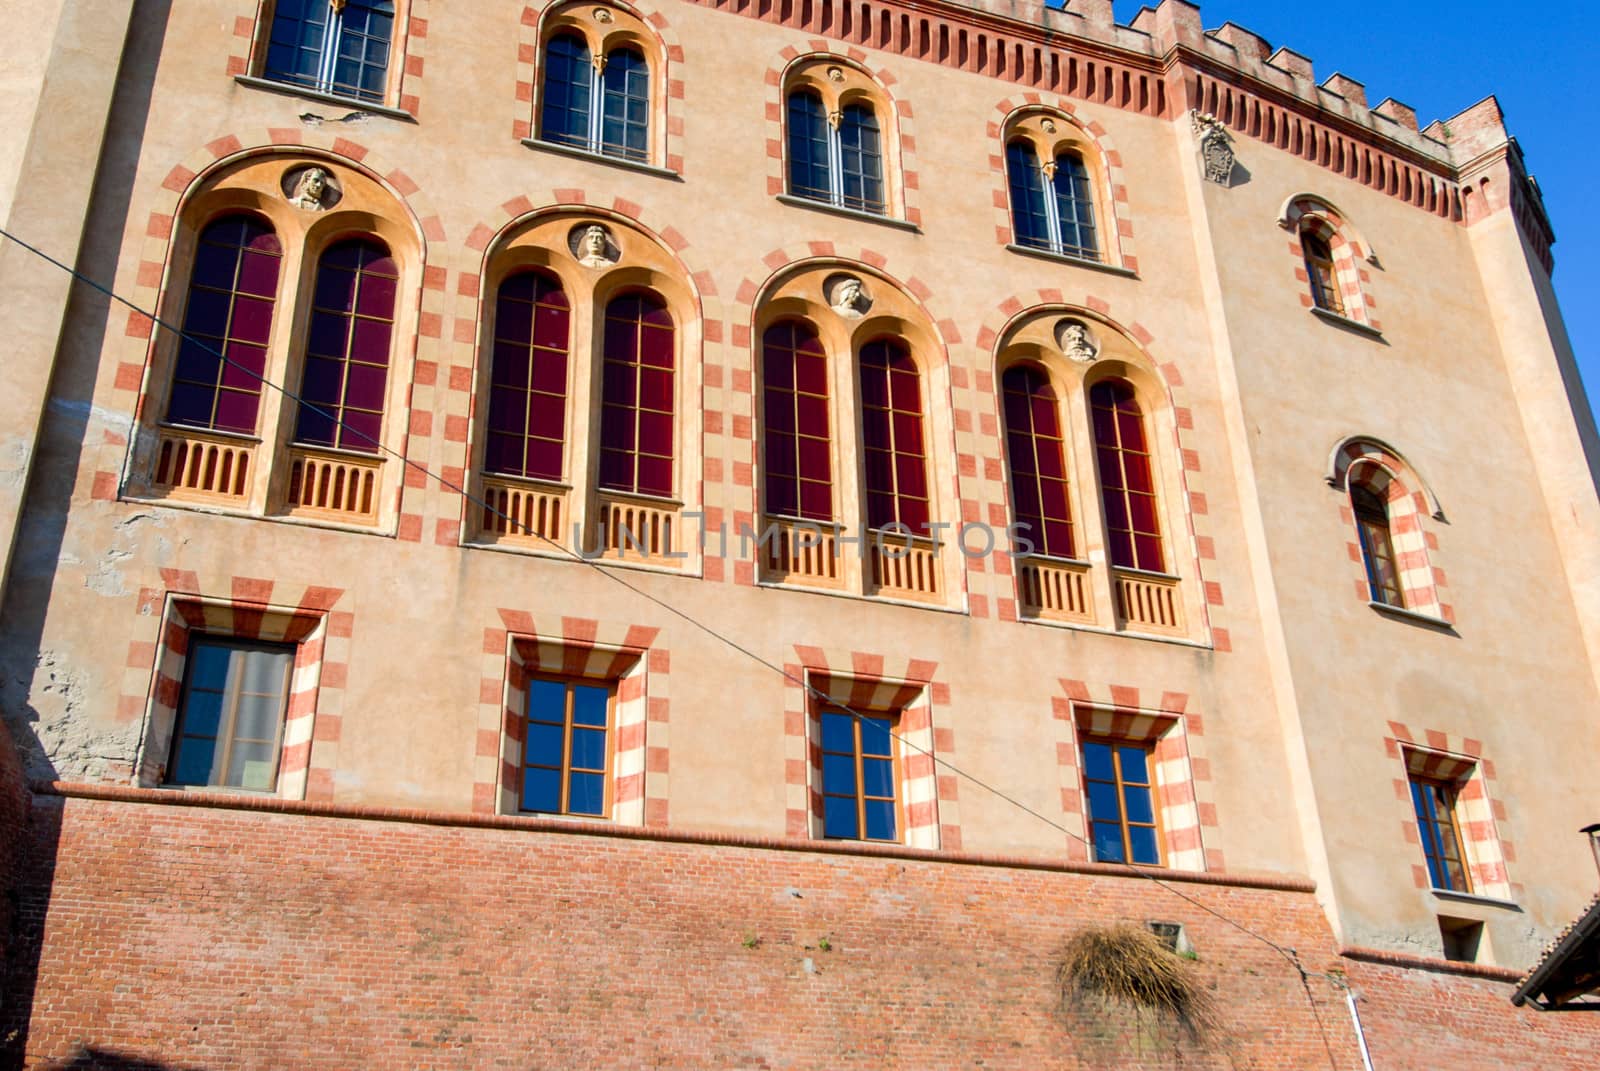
column 1476, row 900
column 1130, row 633
column 145, row 498
column 1340, row 320
column 601, row 158
column 1412, row 615
column 288, row 90
column 1076, row 262
column 860, row 597
column 561, row 552
column 848, row 213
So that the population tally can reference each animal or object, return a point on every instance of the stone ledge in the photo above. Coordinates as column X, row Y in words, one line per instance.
column 1428, row 963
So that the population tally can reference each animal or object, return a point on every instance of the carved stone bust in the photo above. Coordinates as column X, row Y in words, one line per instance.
column 847, row 296
column 594, row 247
column 1077, row 341
column 313, row 190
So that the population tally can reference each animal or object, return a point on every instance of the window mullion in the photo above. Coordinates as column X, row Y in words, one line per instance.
column 330, row 49
column 566, row 748
column 597, row 103
column 861, row 779
column 1052, row 210
column 230, row 709
column 835, row 165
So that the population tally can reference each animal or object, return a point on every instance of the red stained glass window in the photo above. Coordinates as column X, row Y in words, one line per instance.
column 891, row 424
column 232, row 291
column 636, row 421
column 1038, row 459
column 1127, row 481
column 347, row 347
column 528, row 378
column 798, row 448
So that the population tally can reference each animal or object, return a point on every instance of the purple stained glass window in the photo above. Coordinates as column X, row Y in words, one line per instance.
column 1127, row 481
column 232, row 291
column 797, row 444
column 636, row 405
column 346, row 373
column 891, row 421
column 528, row 378
column 1037, row 453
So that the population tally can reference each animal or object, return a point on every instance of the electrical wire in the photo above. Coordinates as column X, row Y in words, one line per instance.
column 599, row 566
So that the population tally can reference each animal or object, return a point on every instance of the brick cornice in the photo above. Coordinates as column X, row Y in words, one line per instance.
column 1385, row 958
column 317, row 809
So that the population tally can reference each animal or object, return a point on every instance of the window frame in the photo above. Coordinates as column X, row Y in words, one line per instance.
column 1429, row 831
column 895, row 493
column 1157, row 491
column 1048, row 176
column 1050, row 136
column 1322, row 272
column 1374, row 534
column 1062, row 440
column 227, row 738
column 626, row 34
column 601, row 360
column 395, row 63
column 840, row 88
column 1123, row 823
column 608, row 776
column 791, row 404
column 893, row 717
column 492, row 340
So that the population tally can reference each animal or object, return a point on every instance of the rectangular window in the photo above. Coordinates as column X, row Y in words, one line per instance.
column 333, row 47
column 1435, row 805
column 1120, row 785
column 230, row 719
column 859, row 777
column 566, row 749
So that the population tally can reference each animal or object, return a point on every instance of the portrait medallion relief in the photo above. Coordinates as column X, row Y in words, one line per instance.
column 1077, row 340
column 847, row 295
column 311, row 188
column 594, row 246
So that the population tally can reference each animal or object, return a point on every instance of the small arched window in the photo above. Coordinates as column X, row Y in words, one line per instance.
column 332, row 46
column 797, row 447
column 1377, row 549
column 836, row 158
column 636, row 407
column 1127, row 477
column 346, row 373
column 1320, row 270
column 602, row 108
column 893, row 451
column 528, row 378
column 1052, row 205
column 1037, row 452
column 232, row 292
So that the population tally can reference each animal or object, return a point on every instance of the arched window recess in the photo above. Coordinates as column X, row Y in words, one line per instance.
column 839, row 137
column 599, row 84
column 1054, row 178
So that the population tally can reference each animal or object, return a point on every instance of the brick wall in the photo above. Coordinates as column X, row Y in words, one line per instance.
column 13, row 822
column 199, row 937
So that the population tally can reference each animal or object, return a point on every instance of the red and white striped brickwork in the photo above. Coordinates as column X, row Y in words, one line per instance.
column 1370, row 464
column 1479, row 812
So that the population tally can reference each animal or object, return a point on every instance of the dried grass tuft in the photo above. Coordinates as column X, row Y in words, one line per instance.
column 1127, row 965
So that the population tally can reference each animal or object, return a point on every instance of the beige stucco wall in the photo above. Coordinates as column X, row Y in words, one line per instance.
column 1294, row 707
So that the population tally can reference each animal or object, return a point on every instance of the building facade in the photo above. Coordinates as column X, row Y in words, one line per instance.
column 701, row 534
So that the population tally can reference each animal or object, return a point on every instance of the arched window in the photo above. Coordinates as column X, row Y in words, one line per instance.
column 602, row 108
column 837, row 158
column 1377, row 549
column 798, row 450
column 332, row 46
column 232, row 291
column 892, row 437
column 528, row 378
column 1127, row 477
column 1035, row 447
column 346, row 374
column 1321, row 271
column 1052, row 205
column 636, row 410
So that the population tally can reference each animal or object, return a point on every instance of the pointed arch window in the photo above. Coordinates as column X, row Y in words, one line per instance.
column 602, row 108
column 1037, row 452
column 1127, row 477
column 1377, row 548
column 1321, row 271
column 1052, row 205
column 893, row 443
column 636, row 410
column 332, row 46
column 232, row 293
column 798, row 449
column 528, row 378
column 346, row 373
column 836, row 158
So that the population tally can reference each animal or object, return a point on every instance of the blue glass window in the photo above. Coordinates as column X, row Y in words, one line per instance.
column 1435, row 804
column 1062, row 220
column 809, row 152
column 230, row 719
column 564, row 748
column 858, row 777
column 1119, row 782
column 568, row 91
column 1377, row 550
column 340, row 49
column 606, row 111
column 842, row 164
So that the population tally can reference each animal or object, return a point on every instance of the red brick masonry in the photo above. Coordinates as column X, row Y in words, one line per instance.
column 279, row 934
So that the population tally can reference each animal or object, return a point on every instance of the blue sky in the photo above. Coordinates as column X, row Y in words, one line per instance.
column 1441, row 58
